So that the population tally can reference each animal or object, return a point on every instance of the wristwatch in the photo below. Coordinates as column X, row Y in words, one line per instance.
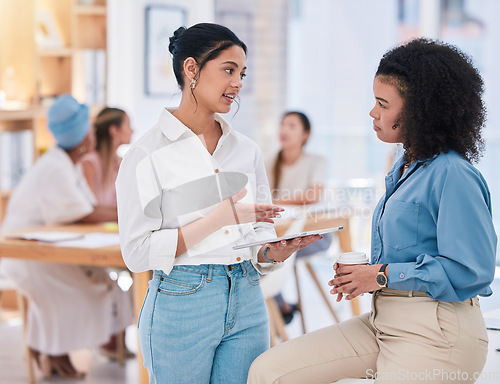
column 381, row 277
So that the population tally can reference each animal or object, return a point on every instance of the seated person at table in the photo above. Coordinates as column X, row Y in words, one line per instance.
column 297, row 178
column 100, row 167
column 70, row 306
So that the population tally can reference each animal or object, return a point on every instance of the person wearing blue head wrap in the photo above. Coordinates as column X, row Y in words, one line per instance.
column 68, row 121
column 71, row 306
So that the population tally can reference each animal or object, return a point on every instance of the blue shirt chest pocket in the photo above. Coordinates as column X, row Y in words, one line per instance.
column 400, row 224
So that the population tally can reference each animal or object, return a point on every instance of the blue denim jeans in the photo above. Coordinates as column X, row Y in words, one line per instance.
column 203, row 324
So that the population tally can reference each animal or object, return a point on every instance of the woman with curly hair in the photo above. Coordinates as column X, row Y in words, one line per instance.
column 433, row 242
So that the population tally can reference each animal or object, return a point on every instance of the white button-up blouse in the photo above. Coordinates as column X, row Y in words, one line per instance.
column 168, row 179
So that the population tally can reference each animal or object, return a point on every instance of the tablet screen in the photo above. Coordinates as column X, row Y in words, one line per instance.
column 288, row 237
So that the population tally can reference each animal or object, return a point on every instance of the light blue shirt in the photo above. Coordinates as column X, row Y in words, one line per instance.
column 436, row 230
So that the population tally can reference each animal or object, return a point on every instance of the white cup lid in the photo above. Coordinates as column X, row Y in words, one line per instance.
column 352, row 258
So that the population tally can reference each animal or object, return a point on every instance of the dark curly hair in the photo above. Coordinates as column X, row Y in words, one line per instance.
column 442, row 91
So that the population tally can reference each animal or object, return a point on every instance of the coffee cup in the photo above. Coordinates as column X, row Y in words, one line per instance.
column 351, row 258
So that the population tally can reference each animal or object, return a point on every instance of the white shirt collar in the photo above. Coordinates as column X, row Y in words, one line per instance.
column 172, row 128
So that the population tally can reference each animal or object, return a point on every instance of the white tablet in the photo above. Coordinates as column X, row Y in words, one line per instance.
column 288, row 237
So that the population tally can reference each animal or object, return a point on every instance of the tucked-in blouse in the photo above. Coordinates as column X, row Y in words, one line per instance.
column 168, row 179
column 434, row 228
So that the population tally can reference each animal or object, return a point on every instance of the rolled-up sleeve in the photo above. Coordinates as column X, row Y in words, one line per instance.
column 144, row 244
column 466, row 241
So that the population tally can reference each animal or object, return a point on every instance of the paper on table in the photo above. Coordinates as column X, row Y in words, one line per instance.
column 48, row 236
column 92, row 240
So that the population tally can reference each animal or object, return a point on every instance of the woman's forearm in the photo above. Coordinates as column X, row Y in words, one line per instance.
column 101, row 213
column 192, row 233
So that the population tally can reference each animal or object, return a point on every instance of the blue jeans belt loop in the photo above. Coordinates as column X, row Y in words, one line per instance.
column 244, row 268
column 210, row 273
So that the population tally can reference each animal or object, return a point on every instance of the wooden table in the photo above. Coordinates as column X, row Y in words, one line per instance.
column 109, row 256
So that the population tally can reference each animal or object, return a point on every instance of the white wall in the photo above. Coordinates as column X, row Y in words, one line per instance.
column 334, row 50
column 262, row 25
column 487, row 56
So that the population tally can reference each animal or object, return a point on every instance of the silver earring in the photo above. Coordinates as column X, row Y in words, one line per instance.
column 193, row 84
column 395, row 126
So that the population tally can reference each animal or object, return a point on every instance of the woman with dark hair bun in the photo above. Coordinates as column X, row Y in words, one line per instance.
column 188, row 191
column 433, row 242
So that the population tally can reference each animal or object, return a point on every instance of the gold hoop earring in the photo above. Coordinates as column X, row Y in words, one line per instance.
column 193, row 84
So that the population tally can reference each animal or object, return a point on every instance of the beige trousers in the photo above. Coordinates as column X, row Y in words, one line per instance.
column 406, row 338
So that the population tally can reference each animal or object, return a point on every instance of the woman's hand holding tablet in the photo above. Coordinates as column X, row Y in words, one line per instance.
column 288, row 237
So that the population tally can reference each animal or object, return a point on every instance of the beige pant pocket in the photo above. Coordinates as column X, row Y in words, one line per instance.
column 447, row 322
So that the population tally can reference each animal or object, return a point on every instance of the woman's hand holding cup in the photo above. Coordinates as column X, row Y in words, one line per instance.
column 354, row 276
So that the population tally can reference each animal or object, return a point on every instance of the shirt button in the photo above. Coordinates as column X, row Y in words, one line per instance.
column 238, row 259
column 217, row 170
column 226, row 232
column 401, row 275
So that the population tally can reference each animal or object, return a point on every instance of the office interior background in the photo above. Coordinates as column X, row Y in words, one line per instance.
column 317, row 56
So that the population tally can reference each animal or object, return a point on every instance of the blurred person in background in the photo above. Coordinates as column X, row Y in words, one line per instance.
column 297, row 178
column 100, row 168
column 70, row 306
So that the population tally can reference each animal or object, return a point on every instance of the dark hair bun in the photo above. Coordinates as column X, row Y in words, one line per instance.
column 173, row 40
column 203, row 42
